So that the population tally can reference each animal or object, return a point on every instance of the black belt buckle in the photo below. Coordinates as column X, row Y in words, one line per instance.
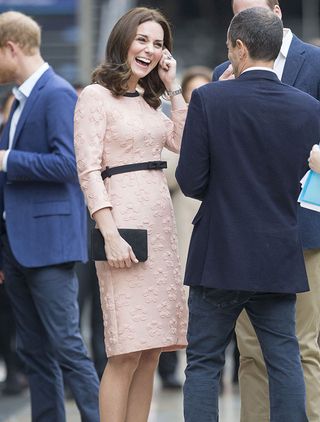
column 153, row 165
column 156, row 165
column 106, row 173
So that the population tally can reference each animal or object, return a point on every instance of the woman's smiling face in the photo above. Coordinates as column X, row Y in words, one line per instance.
column 146, row 49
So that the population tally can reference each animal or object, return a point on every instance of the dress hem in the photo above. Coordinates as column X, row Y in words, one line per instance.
column 171, row 348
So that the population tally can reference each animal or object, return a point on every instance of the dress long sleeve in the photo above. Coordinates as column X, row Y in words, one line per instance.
column 90, row 125
column 175, row 129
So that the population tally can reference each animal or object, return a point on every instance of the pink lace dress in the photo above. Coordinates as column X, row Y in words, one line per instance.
column 144, row 307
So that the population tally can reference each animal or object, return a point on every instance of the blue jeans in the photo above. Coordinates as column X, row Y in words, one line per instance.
column 44, row 302
column 212, row 317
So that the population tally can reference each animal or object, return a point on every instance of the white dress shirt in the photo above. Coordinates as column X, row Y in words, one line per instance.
column 282, row 56
column 21, row 94
column 259, row 68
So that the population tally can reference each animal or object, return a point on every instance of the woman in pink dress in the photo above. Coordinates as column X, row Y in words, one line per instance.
column 143, row 303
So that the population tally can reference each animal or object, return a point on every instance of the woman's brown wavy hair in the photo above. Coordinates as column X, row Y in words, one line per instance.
column 115, row 72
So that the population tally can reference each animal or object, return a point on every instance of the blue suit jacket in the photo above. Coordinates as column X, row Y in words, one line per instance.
column 302, row 70
column 243, row 153
column 40, row 193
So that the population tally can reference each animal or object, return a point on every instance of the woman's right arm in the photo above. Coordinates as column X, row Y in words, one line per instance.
column 118, row 251
column 89, row 133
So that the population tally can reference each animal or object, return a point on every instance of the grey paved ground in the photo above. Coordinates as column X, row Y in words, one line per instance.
column 166, row 405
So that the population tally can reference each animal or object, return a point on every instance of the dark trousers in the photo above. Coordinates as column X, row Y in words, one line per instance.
column 212, row 317
column 168, row 363
column 44, row 302
column 8, row 335
column 89, row 295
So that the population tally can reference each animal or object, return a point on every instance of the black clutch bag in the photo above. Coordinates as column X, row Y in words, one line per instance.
column 137, row 239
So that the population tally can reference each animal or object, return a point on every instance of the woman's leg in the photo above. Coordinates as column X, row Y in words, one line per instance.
column 115, row 386
column 140, row 393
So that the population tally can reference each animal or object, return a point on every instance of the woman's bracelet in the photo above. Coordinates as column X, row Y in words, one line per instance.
column 175, row 92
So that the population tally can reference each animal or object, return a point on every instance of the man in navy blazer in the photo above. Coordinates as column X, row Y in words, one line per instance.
column 43, row 225
column 298, row 64
column 243, row 154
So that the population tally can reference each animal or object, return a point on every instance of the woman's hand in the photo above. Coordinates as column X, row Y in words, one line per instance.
column 314, row 159
column 167, row 70
column 227, row 74
column 118, row 251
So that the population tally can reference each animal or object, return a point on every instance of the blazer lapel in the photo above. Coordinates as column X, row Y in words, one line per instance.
column 30, row 103
column 295, row 59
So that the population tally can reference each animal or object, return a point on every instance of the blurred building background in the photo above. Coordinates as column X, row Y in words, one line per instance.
column 75, row 31
column 74, row 38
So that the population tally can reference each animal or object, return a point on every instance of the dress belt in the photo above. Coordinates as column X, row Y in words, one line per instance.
column 147, row 165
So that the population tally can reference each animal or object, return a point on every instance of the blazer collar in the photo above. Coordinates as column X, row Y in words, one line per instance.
column 295, row 59
column 258, row 74
column 31, row 100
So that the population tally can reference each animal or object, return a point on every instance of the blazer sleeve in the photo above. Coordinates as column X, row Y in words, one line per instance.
column 58, row 165
column 194, row 164
column 215, row 75
column 175, row 129
column 218, row 71
column 90, row 125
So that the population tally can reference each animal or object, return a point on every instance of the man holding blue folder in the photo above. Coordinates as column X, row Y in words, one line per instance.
column 243, row 154
column 297, row 64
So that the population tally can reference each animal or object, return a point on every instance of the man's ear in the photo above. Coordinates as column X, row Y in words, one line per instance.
column 241, row 48
column 277, row 11
column 12, row 47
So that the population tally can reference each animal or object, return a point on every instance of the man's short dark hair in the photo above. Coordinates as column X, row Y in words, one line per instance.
column 270, row 3
column 260, row 30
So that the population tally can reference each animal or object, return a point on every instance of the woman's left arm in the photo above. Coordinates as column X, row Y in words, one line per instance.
column 167, row 73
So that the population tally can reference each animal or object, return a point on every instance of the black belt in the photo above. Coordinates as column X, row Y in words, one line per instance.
column 147, row 165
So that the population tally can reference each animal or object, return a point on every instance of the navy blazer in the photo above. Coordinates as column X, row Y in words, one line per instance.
column 302, row 70
column 40, row 193
column 243, row 154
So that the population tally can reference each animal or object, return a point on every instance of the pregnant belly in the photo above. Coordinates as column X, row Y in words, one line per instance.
column 140, row 198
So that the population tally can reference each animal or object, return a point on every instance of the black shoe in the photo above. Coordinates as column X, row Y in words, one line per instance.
column 171, row 382
column 14, row 385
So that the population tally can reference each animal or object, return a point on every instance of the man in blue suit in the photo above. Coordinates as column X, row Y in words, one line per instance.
column 298, row 64
column 43, row 225
column 243, row 154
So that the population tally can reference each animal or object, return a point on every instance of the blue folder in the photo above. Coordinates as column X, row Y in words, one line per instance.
column 311, row 189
